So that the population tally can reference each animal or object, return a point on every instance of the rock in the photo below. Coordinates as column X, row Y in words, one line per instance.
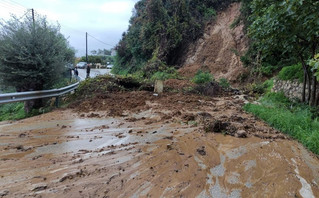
column 4, row 193
column 65, row 177
column 169, row 147
column 201, row 151
column 241, row 134
column 39, row 187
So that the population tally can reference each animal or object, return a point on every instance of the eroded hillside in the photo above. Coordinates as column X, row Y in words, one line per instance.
column 219, row 49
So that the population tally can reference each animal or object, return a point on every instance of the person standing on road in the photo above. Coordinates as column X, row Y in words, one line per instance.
column 88, row 69
column 76, row 74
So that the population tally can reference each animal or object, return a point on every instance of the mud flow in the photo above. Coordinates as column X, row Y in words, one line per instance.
column 153, row 146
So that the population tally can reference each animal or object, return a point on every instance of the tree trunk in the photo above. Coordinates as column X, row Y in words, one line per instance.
column 33, row 104
column 304, row 88
column 308, row 79
column 309, row 90
column 314, row 89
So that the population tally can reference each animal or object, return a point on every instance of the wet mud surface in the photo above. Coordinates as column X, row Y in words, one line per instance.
column 140, row 145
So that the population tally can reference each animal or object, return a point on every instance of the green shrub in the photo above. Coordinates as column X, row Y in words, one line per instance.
column 245, row 60
column 12, row 111
column 223, row 82
column 202, row 77
column 291, row 73
column 169, row 73
column 291, row 118
column 268, row 69
column 268, row 85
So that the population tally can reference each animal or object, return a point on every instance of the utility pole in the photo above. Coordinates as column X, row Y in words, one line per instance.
column 86, row 36
column 33, row 16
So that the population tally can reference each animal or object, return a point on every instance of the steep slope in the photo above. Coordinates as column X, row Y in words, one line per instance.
column 219, row 49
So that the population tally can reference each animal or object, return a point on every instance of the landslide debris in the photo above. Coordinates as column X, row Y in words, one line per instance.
column 219, row 49
column 207, row 106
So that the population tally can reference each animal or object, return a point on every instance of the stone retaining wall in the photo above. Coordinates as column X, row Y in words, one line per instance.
column 291, row 89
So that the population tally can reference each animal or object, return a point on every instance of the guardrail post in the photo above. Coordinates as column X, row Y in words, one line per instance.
column 57, row 101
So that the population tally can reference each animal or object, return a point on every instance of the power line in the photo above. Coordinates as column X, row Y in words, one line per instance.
column 11, row 6
column 16, row 3
column 100, row 41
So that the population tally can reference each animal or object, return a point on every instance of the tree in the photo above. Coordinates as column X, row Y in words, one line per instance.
column 33, row 55
column 290, row 27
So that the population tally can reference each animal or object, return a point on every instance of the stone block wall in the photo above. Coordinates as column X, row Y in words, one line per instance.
column 291, row 89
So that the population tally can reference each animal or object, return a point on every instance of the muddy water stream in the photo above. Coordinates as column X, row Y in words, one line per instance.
column 62, row 154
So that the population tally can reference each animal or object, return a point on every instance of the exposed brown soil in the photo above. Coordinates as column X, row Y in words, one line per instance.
column 136, row 144
column 220, row 48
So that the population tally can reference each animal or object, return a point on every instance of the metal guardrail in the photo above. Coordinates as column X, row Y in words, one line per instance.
column 31, row 95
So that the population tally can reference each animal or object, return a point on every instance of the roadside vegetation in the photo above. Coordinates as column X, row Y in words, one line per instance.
column 299, row 121
column 33, row 56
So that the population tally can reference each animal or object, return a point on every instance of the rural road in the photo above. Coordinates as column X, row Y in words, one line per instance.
column 93, row 73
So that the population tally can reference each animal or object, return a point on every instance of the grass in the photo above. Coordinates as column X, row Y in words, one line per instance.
column 296, row 120
column 13, row 111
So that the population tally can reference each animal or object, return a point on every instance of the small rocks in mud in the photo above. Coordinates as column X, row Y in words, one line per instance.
column 241, row 134
column 39, row 187
column 36, row 157
column 189, row 117
column 93, row 115
column 22, row 135
column 168, row 138
column 4, row 193
column 169, row 147
column 131, row 119
column 205, row 115
column 201, row 151
column 216, row 126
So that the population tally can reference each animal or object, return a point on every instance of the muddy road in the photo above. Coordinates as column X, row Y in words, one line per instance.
column 140, row 145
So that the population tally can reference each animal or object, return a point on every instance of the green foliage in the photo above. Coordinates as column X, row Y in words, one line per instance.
column 291, row 73
column 283, row 29
column 32, row 56
column 169, row 73
column 245, row 60
column 223, row 82
column 202, row 77
column 290, row 118
column 163, row 28
column 268, row 85
column 267, row 69
column 235, row 23
column 12, row 111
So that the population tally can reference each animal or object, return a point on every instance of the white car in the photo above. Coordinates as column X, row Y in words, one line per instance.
column 81, row 65
column 109, row 66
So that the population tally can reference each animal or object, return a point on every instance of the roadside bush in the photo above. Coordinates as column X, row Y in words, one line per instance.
column 12, row 111
column 268, row 69
column 268, row 85
column 169, row 73
column 223, row 82
column 291, row 73
column 202, row 77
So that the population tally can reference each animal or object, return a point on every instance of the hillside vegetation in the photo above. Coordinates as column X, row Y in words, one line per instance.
column 160, row 30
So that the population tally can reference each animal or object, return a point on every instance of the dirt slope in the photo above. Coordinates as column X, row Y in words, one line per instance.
column 219, row 49
column 135, row 144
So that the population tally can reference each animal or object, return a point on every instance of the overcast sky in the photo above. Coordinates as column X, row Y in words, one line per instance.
column 105, row 20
